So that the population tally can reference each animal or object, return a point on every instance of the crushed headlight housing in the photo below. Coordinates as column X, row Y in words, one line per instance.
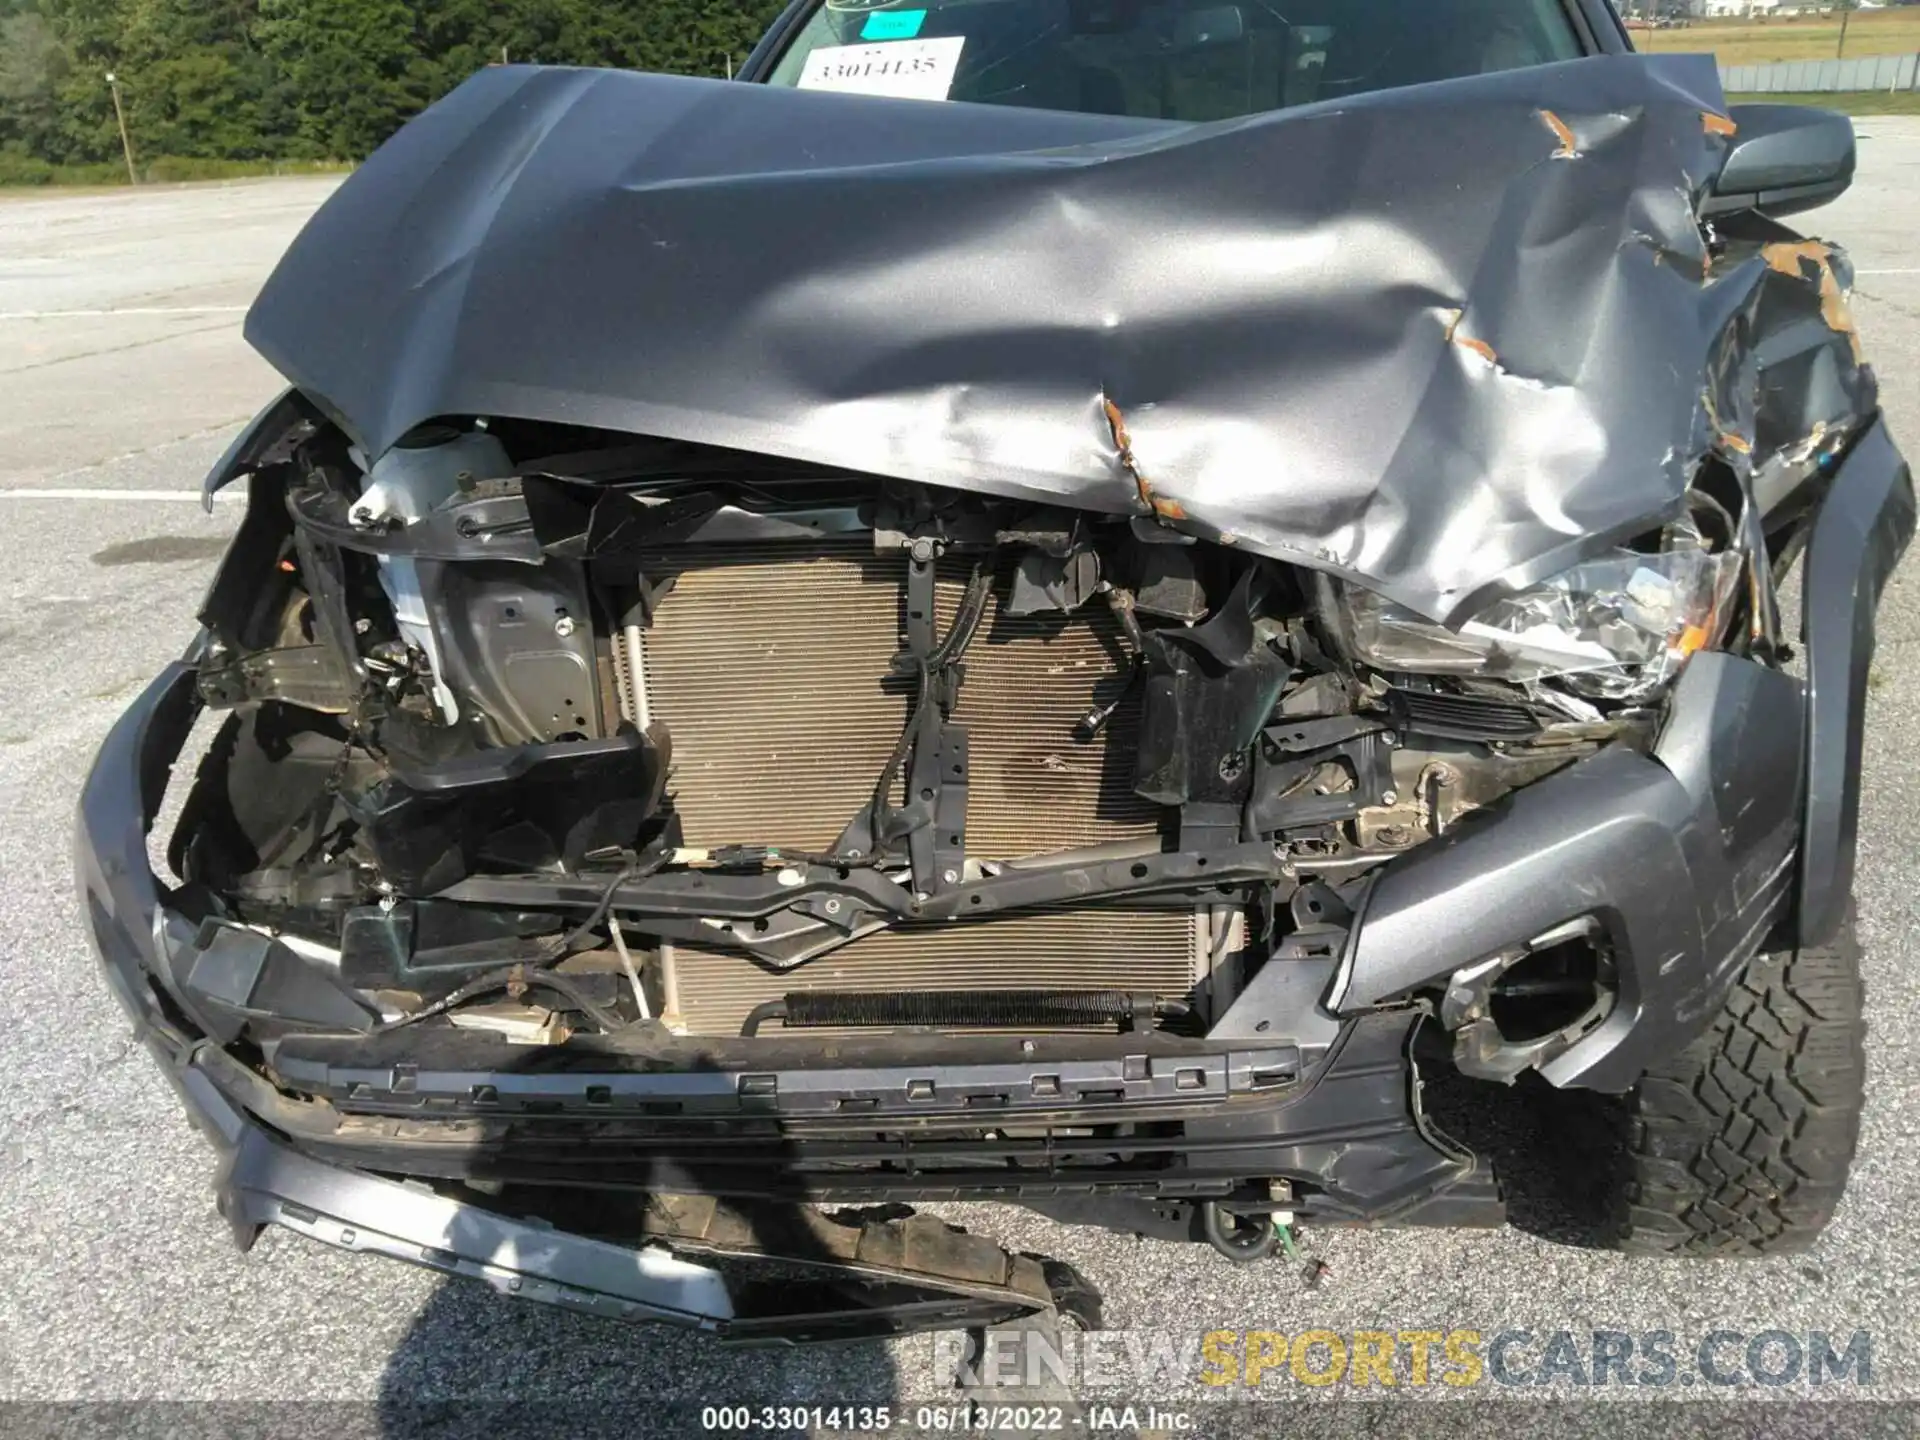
column 1617, row 627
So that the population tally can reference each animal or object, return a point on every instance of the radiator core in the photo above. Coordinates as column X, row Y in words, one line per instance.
column 768, row 665
column 1159, row 952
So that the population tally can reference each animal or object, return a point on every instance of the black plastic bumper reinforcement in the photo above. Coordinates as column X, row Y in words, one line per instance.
column 962, row 1009
column 1092, row 1142
column 864, row 1280
column 1113, row 1078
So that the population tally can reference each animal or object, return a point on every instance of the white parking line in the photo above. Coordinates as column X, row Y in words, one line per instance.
column 129, row 310
column 75, row 493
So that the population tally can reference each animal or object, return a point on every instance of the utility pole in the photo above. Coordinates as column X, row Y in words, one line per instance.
column 120, row 114
column 1846, row 9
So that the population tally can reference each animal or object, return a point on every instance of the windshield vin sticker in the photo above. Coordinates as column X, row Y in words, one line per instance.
column 903, row 69
column 893, row 24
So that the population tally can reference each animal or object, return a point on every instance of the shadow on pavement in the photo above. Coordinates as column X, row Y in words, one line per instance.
column 1551, row 1149
column 478, row 1364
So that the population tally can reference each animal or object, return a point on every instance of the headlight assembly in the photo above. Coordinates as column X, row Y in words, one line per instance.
column 1617, row 627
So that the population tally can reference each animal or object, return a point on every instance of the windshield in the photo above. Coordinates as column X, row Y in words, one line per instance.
column 1163, row 59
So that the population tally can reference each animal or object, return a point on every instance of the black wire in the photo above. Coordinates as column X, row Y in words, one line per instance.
column 583, row 932
column 566, row 986
column 966, row 621
column 877, row 803
column 505, row 976
column 479, row 985
column 539, row 971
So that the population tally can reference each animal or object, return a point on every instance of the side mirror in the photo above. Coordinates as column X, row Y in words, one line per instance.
column 1784, row 159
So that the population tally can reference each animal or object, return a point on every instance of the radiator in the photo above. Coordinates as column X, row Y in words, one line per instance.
column 1160, row 952
column 768, row 666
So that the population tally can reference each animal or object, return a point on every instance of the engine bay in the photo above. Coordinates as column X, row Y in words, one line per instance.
column 540, row 732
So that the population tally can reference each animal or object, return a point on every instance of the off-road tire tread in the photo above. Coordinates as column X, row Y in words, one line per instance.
column 1740, row 1144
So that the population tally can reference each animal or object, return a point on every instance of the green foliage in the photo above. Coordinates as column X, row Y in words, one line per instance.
column 251, row 81
column 18, row 169
column 348, row 70
column 32, row 65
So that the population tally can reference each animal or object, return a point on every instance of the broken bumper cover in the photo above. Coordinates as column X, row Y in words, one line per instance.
column 1738, row 829
column 915, row 1274
column 263, row 1181
column 1689, row 857
column 1683, row 858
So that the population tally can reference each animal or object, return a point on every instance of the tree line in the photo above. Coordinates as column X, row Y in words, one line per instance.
column 309, row 79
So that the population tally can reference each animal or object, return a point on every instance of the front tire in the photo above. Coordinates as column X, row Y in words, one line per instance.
column 1741, row 1143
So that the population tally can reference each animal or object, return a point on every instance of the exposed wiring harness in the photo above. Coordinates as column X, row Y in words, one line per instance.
column 539, row 972
column 930, row 671
column 515, row 978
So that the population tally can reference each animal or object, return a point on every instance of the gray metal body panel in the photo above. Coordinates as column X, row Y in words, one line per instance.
column 1444, row 340
column 1865, row 524
column 1685, row 857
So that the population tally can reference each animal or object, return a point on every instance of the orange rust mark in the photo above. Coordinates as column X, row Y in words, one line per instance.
column 1466, row 342
column 1789, row 257
column 1117, row 423
column 1785, row 255
column 1160, row 505
column 1563, row 132
column 1726, row 439
column 1717, row 124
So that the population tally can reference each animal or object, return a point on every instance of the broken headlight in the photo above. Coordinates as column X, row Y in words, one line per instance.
column 1617, row 627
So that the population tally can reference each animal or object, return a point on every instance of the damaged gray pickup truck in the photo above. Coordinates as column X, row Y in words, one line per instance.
column 795, row 648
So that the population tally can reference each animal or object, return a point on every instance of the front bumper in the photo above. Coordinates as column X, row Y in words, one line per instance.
column 1737, row 831
column 1690, row 858
column 914, row 1274
column 261, row 1180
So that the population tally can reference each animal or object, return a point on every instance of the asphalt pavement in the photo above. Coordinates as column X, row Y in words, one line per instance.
column 122, row 375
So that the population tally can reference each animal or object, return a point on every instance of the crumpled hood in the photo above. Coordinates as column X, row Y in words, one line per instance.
column 1441, row 340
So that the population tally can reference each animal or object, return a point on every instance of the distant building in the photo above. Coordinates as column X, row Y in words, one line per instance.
column 1639, row 13
column 1737, row 7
